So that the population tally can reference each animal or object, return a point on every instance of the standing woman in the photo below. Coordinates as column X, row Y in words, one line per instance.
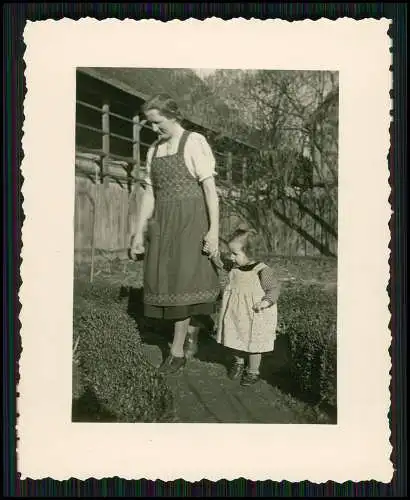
column 180, row 205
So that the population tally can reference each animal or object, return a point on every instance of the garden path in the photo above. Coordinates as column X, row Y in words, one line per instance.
column 204, row 394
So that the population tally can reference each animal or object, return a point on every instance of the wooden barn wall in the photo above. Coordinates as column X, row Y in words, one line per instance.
column 101, row 213
column 109, row 205
column 286, row 241
column 115, row 204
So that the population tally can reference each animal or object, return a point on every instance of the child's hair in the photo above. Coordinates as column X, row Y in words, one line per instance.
column 165, row 105
column 246, row 237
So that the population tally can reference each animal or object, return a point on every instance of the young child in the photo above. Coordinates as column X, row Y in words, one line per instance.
column 248, row 316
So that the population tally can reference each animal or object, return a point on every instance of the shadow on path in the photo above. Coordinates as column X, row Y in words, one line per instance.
column 152, row 331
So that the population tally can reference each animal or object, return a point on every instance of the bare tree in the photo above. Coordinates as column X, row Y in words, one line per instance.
column 294, row 174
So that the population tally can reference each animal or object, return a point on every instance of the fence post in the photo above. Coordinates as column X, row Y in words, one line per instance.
column 136, row 147
column 229, row 167
column 244, row 167
column 105, row 141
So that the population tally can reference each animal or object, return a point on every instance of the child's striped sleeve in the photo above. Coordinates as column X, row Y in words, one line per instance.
column 270, row 285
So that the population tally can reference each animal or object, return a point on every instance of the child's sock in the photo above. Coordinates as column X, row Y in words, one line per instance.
column 254, row 363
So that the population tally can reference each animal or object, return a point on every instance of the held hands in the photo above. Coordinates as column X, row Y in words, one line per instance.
column 211, row 244
column 260, row 306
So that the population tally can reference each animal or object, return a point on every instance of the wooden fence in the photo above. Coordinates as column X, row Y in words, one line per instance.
column 108, row 190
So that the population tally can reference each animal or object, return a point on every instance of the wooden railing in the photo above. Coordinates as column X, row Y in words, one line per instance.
column 130, row 168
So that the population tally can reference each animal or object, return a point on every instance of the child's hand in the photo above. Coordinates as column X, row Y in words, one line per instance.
column 260, row 306
column 216, row 259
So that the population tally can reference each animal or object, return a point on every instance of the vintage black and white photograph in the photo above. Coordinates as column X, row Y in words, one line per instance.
column 206, row 241
column 205, row 246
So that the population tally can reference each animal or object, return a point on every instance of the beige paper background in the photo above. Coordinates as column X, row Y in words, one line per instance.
column 356, row 449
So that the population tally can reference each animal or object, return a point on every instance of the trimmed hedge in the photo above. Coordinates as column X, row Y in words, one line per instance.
column 85, row 290
column 112, row 363
column 307, row 316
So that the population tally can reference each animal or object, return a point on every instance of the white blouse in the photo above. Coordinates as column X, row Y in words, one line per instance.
column 198, row 156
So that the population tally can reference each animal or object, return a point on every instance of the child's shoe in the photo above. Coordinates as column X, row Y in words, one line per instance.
column 236, row 371
column 250, row 379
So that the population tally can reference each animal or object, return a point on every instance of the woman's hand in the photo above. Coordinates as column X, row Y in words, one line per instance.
column 137, row 247
column 211, row 244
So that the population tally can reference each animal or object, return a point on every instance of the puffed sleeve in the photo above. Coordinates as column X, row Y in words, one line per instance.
column 201, row 157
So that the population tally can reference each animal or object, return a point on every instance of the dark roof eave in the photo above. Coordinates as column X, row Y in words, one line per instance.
column 94, row 73
column 113, row 81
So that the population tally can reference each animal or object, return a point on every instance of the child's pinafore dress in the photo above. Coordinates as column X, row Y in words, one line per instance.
column 241, row 328
column 179, row 280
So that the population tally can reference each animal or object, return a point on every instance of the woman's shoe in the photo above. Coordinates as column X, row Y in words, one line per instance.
column 172, row 365
column 236, row 371
column 250, row 379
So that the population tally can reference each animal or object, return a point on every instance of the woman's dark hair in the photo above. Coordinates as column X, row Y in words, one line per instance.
column 165, row 105
column 246, row 237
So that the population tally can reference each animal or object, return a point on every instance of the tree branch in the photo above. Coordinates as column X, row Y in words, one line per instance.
column 325, row 225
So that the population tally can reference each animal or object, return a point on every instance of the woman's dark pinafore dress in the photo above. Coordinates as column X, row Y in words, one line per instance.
column 179, row 280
